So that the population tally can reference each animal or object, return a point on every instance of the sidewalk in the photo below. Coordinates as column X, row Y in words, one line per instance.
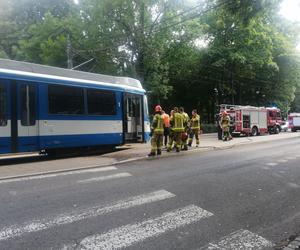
column 33, row 164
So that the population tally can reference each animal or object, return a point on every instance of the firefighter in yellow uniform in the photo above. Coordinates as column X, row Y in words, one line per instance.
column 195, row 128
column 157, row 131
column 177, row 127
column 225, row 125
column 186, row 124
column 171, row 140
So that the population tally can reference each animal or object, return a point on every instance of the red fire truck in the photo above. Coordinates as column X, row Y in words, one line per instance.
column 249, row 120
column 294, row 121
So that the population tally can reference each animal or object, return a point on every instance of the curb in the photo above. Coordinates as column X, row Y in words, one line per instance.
column 54, row 172
column 93, row 166
column 200, row 149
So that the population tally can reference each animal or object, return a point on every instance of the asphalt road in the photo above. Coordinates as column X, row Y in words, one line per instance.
column 244, row 197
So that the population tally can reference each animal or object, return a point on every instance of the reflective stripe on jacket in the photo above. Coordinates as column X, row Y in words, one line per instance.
column 195, row 122
column 158, row 124
column 177, row 121
column 225, row 121
column 186, row 119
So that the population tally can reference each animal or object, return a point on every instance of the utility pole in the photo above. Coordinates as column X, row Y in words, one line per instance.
column 69, row 52
column 140, row 44
column 216, row 92
column 232, row 85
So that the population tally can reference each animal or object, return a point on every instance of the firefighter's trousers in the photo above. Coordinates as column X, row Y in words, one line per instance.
column 226, row 134
column 175, row 138
column 171, row 140
column 194, row 132
column 156, row 142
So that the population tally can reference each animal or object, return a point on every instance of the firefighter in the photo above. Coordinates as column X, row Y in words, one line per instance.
column 225, row 124
column 219, row 127
column 186, row 124
column 157, row 132
column 171, row 139
column 177, row 128
column 195, row 128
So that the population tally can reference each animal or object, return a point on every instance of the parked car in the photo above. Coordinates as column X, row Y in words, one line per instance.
column 284, row 126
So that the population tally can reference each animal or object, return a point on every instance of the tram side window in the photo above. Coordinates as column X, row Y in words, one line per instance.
column 3, row 96
column 64, row 100
column 101, row 102
column 28, row 105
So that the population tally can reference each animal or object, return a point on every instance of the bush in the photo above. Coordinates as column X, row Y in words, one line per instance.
column 208, row 128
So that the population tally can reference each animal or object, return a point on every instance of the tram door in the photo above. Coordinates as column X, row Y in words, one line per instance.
column 133, row 118
column 24, row 121
column 5, row 144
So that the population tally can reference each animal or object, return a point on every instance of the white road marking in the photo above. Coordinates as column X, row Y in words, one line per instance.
column 127, row 235
column 283, row 160
column 42, row 224
column 291, row 158
column 293, row 185
column 44, row 176
column 272, row 164
column 104, row 178
column 13, row 193
column 241, row 239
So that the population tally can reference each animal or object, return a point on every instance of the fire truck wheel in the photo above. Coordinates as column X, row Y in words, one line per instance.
column 277, row 130
column 254, row 131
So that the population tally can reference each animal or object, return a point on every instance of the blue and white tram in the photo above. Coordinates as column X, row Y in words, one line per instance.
column 45, row 108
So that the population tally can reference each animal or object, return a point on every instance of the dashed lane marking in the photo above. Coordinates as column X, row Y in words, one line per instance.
column 38, row 177
column 241, row 239
column 293, row 185
column 291, row 158
column 282, row 161
column 104, row 178
column 272, row 164
column 67, row 218
column 127, row 235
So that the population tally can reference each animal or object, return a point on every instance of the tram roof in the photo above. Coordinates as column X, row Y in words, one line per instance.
column 68, row 73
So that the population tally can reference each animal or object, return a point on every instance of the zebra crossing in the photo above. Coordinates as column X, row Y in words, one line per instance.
column 129, row 234
column 240, row 239
column 43, row 224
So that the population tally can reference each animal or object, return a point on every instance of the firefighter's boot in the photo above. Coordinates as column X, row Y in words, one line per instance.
column 151, row 154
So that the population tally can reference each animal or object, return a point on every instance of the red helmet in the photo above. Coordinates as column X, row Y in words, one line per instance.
column 158, row 108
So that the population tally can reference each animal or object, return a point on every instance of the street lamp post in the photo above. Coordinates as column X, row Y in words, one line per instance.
column 257, row 97
column 216, row 98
